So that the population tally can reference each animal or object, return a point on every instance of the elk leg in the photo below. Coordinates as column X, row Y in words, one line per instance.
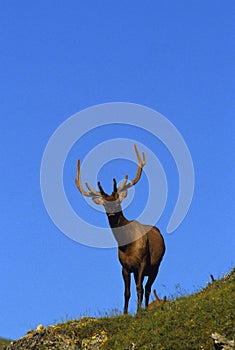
column 148, row 286
column 139, row 277
column 127, row 281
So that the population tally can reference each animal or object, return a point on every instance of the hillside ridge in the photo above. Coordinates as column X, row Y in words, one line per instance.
column 181, row 324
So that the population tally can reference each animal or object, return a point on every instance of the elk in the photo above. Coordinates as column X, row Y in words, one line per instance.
column 140, row 247
column 157, row 302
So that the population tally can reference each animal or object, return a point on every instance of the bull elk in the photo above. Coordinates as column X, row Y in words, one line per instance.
column 157, row 302
column 140, row 247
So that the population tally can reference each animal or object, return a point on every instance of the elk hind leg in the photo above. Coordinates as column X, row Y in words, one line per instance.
column 148, row 286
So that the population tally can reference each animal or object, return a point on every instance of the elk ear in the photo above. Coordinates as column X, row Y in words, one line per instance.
column 98, row 200
column 122, row 195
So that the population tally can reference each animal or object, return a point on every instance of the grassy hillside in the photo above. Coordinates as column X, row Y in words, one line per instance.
column 3, row 342
column 182, row 324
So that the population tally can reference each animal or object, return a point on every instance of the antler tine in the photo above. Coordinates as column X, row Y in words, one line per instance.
column 141, row 164
column 155, row 294
column 92, row 190
column 102, row 193
column 123, row 184
column 79, row 186
column 114, row 185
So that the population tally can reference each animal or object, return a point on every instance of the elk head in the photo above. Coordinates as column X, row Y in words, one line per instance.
column 111, row 203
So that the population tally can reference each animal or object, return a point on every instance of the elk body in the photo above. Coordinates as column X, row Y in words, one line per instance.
column 140, row 247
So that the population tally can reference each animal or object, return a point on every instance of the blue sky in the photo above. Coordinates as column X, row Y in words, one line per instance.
column 58, row 58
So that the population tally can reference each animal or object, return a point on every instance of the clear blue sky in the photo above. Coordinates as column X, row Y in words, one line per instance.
column 58, row 58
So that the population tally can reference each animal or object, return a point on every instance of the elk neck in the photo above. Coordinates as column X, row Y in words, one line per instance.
column 117, row 219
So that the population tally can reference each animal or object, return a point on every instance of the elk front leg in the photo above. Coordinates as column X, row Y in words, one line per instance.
column 139, row 277
column 127, row 281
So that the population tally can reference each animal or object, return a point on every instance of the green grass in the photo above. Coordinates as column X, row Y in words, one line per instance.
column 4, row 342
column 182, row 324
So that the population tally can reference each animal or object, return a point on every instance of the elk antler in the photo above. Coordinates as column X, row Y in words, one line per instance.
column 124, row 186
column 141, row 164
column 92, row 193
